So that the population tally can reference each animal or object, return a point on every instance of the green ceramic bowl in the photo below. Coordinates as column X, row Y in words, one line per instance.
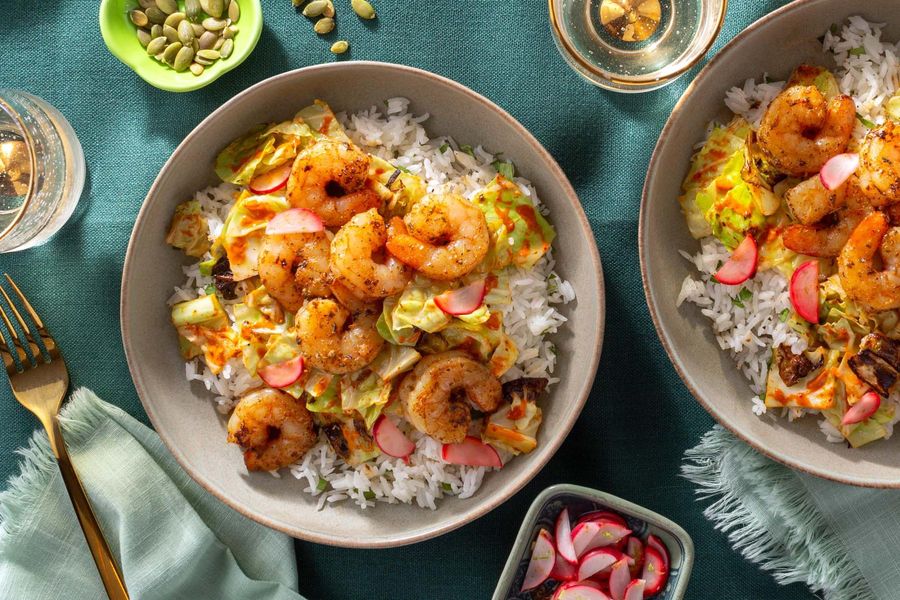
column 120, row 37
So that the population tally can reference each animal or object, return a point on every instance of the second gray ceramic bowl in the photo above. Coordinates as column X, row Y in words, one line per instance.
column 775, row 44
column 183, row 414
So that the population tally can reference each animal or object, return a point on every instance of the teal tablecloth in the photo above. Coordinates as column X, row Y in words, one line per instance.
column 640, row 417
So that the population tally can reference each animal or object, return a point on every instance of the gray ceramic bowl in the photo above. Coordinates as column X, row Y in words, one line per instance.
column 580, row 500
column 775, row 44
column 183, row 414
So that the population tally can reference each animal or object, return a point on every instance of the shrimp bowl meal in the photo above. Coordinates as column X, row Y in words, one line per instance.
column 796, row 205
column 371, row 310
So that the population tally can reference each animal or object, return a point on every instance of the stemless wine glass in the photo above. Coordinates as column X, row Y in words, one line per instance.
column 41, row 170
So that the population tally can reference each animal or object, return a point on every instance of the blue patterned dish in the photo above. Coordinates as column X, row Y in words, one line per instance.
column 579, row 500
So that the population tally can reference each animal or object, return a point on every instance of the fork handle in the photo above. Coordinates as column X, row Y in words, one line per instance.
column 106, row 564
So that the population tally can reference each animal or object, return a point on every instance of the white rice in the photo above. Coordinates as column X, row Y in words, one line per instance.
column 749, row 333
column 399, row 137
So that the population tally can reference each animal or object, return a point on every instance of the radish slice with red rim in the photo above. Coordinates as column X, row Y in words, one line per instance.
column 390, row 439
column 634, row 548
column 597, row 561
column 471, row 452
column 563, row 570
column 564, row 537
column 543, row 557
column 271, row 181
column 464, row 300
column 283, row 374
column 581, row 590
column 597, row 534
column 862, row 410
column 804, row 291
column 295, row 220
column 619, row 579
column 742, row 264
column 602, row 515
column 838, row 169
column 583, row 535
column 635, row 590
column 657, row 544
column 656, row 572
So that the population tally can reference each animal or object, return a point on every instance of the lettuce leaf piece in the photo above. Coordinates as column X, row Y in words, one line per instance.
column 244, row 228
column 203, row 328
column 504, row 357
column 394, row 332
column 402, row 189
column 366, row 393
column 189, row 230
column 323, row 389
column 261, row 150
column 515, row 435
column 520, row 235
column 480, row 340
column 321, row 120
column 415, row 307
column 394, row 360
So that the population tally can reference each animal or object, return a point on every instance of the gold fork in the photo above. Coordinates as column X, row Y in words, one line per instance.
column 40, row 387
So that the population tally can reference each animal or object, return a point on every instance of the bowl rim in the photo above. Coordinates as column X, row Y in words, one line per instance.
column 722, row 417
column 477, row 509
column 164, row 81
column 523, row 536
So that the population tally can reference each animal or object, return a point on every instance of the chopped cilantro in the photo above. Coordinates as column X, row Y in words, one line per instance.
column 443, row 148
column 210, row 289
column 835, row 29
column 369, row 495
column 505, row 168
column 446, row 486
column 737, row 302
column 467, row 149
column 857, row 51
column 783, row 315
column 404, row 169
column 745, row 294
column 322, row 484
column 865, row 121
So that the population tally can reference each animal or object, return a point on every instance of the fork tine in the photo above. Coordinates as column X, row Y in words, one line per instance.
column 8, row 360
column 33, row 349
column 43, row 332
column 20, row 351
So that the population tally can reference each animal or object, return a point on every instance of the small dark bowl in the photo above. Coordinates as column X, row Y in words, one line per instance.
column 579, row 500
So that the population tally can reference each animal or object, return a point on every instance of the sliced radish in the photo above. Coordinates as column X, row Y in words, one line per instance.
column 581, row 590
column 464, row 300
column 602, row 515
column 564, row 537
column 634, row 548
column 635, row 590
column 563, row 570
column 596, row 561
column 742, row 264
column 271, row 181
column 863, row 409
column 583, row 535
column 657, row 544
column 619, row 579
column 838, row 169
column 390, row 439
column 283, row 374
column 471, row 452
column 543, row 557
column 295, row 220
column 656, row 572
column 805, row 291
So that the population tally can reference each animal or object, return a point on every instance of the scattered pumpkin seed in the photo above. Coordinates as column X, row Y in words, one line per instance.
column 192, row 9
column 198, row 29
column 197, row 69
column 363, row 8
column 185, row 33
column 340, row 46
column 209, row 54
column 228, row 33
column 315, row 8
column 195, row 45
column 171, row 52
column 171, row 33
column 218, row 43
column 329, row 10
column 203, row 61
column 154, row 15
column 146, row 3
column 212, row 24
column 234, row 11
column 214, row 8
column 167, row 6
column 175, row 18
column 297, row 2
column 138, row 17
column 324, row 25
column 144, row 37
column 183, row 59
column 207, row 40
column 227, row 48
column 156, row 31
column 156, row 45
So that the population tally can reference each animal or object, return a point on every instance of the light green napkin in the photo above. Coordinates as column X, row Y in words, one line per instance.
column 840, row 540
column 172, row 539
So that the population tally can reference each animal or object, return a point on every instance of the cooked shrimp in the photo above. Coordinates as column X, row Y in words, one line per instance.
column 443, row 236
column 801, row 130
column 334, row 339
column 438, row 393
column 879, row 164
column 824, row 239
column 331, row 179
column 863, row 280
column 295, row 266
column 356, row 251
column 810, row 202
column 273, row 427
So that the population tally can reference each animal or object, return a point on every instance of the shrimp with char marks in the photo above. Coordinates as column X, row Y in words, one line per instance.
column 335, row 340
column 879, row 164
column 295, row 266
column 358, row 258
column 862, row 277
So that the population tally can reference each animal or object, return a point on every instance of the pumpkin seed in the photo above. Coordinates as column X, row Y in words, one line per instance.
column 156, row 31
column 228, row 33
column 167, row 6
column 324, row 25
column 198, row 29
column 227, row 48
column 214, row 8
column 329, row 10
column 138, row 17
column 155, row 15
column 143, row 37
column 195, row 45
column 363, row 9
column 192, row 9
column 212, row 24
column 175, row 18
column 197, row 69
column 315, row 8
column 171, row 52
column 156, row 45
column 185, row 33
column 218, row 43
column 207, row 40
column 209, row 54
column 340, row 46
column 146, row 3
column 171, row 33
column 203, row 61
column 234, row 11
column 183, row 59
